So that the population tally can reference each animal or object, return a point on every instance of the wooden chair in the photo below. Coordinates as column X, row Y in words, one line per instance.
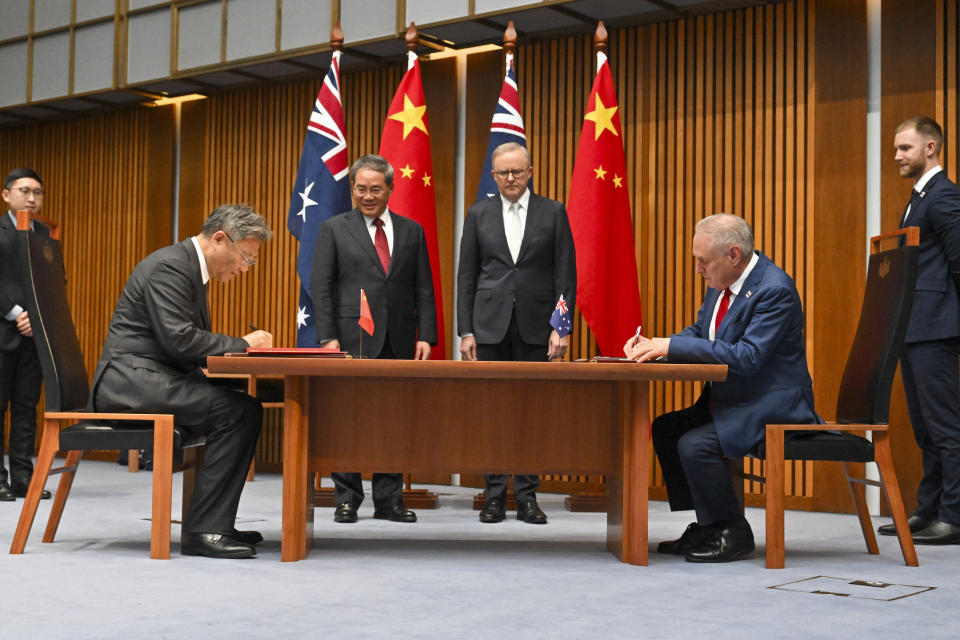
column 863, row 403
column 67, row 388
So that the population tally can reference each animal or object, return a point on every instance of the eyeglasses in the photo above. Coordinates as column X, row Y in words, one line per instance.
column 26, row 191
column 362, row 191
column 247, row 260
column 515, row 173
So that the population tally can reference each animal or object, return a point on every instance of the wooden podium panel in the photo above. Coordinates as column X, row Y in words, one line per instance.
column 404, row 415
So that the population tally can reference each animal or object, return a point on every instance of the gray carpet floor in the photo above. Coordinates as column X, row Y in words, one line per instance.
column 448, row 576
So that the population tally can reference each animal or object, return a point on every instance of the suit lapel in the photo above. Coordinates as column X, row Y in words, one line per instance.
column 919, row 205
column 200, row 297
column 357, row 228
column 495, row 223
column 738, row 305
column 529, row 228
column 401, row 238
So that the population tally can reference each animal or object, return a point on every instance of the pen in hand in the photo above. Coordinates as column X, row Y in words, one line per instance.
column 635, row 338
column 253, row 327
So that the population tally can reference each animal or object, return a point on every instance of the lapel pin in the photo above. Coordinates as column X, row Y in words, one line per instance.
column 749, row 293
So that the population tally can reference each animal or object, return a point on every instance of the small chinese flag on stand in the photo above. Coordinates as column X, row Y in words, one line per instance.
column 366, row 318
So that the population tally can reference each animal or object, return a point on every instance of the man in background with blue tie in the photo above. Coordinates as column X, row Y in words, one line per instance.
column 931, row 353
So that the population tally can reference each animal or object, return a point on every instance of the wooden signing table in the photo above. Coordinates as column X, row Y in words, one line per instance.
column 468, row 417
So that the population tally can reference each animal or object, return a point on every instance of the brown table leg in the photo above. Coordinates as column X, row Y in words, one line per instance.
column 297, row 522
column 627, row 493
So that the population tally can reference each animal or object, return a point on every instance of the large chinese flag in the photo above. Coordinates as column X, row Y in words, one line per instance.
column 608, row 293
column 406, row 145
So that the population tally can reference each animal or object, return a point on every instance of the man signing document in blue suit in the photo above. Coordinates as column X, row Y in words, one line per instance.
column 752, row 321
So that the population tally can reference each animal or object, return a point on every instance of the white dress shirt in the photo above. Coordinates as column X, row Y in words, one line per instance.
column 512, row 228
column 204, row 274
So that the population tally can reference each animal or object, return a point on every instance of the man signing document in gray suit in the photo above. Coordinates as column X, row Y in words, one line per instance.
column 160, row 337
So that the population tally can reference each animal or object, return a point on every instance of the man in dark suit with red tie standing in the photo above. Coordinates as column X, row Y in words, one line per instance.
column 385, row 254
column 931, row 353
column 20, row 378
column 516, row 260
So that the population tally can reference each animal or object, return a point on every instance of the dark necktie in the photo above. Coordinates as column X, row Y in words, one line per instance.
column 721, row 310
column 380, row 242
column 914, row 199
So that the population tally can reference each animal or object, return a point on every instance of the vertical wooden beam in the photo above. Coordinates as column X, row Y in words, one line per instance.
column 837, row 257
column 908, row 88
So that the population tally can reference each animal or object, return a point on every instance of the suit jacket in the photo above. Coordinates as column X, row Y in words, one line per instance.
column 158, row 339
column 761, row 342
column 11, row 288
column 401, row 301
column 490, row 284
column 936, row 304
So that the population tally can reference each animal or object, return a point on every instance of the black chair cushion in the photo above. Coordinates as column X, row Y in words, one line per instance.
column 822, row 445
column 85, row 436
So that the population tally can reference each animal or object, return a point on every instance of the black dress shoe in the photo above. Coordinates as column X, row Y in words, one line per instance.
column 20, row 491
column 396, row 513
column 915, row 522
column 531, row 513
column 214, row 545
column 345, row 513
column 938, row 533
column 6, row 495
column 247, row 537
column 493, row 511
column 693, row 537
column 726, row 545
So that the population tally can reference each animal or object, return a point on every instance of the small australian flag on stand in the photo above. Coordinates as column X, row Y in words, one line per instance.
column 560, row 320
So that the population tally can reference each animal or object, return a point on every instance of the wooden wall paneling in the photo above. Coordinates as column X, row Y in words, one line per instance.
column 839, row 201
column 909, row 87
column 483, row 82
column 97, row 175
column 440, row 93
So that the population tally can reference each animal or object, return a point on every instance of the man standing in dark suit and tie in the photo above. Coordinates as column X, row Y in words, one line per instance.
column 930, row 354
column 20, row 378
column 751, row 320
column 516, row 260
column 158, row 340
column 385, row 254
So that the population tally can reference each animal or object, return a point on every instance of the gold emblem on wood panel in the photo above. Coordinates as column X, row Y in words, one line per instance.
column 884, row 267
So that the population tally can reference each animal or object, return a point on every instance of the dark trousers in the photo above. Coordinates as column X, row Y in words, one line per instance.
column 387, row 487
column 20, row 384
column 231, row 429
column 512, row 348
column 694, row 470
column 930, row 379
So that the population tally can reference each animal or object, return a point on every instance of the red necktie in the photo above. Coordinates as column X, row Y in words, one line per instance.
column 721, row 310
column 380, row 242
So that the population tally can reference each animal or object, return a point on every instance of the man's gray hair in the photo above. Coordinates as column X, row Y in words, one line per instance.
column 727, row 230
column 508, row 147
column 239, row 221
column 375, row 163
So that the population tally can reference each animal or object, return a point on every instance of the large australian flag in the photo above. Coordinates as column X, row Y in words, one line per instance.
column 506, row 126
column 322, row 188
